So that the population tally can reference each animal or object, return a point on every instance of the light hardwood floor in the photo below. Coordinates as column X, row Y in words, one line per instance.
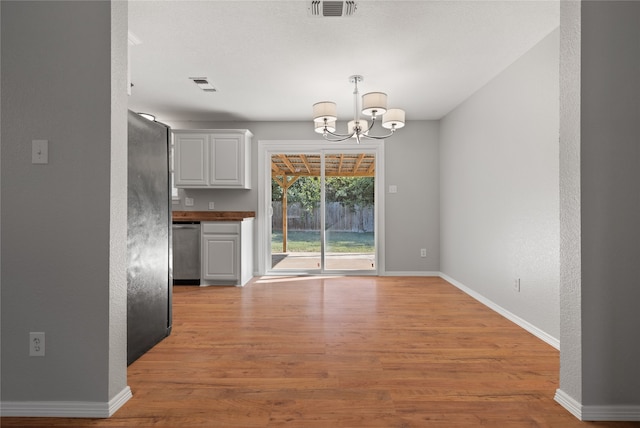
column 339, row 352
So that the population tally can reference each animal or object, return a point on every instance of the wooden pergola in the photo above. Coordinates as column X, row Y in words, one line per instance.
column 286, row 169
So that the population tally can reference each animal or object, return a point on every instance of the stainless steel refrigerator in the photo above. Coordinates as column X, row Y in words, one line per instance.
column 148, row 237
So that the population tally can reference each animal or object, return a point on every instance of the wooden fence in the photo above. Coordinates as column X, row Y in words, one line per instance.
column 339, row 218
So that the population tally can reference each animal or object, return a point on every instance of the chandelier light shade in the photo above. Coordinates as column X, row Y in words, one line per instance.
column 374, row 104
column 393, row 119
column 324, row 111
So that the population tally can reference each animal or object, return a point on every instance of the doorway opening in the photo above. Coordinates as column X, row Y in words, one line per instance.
column 322, row 210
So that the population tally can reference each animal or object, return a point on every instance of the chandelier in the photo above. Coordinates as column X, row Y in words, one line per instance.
column 374, row 104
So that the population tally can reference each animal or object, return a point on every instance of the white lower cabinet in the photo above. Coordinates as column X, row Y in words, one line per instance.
column 227, row 252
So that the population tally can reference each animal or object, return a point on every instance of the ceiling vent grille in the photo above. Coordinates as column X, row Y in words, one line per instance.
column 203, row 84
column 323, row 8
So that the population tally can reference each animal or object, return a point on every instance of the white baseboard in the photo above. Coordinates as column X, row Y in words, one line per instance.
column 566, row 401
column 410, row 273
column 597, row 413
column 65, row 409
column 545, row 337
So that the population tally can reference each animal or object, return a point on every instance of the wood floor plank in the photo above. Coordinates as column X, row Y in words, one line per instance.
column 339, row 352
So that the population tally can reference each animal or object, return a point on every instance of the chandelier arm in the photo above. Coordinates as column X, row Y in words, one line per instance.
column 376, row 137
column 336, row 140
column 344, row 136
column 340, row 137
column 379, row 137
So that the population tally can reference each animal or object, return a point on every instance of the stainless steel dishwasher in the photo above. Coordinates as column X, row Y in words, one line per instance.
column 186, row 253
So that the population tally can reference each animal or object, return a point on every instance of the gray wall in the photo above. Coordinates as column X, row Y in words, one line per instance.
column 63, row 251
column 499, row 189
column 411, row 163
column 610, row 184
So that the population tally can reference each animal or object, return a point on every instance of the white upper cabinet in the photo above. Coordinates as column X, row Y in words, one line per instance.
column 191, row 168
column 213, row 159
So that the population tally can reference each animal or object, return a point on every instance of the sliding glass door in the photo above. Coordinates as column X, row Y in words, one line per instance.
column 296, row 235
column 349, row 214
column 323, row 209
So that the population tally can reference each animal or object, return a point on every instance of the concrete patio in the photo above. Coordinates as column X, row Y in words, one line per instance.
column 311, row 261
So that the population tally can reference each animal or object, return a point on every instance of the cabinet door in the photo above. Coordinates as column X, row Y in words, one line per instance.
column 191, row 153
column 227, row 161
column 220, row 257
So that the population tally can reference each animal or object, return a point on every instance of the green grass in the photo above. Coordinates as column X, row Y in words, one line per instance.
column 337, row 242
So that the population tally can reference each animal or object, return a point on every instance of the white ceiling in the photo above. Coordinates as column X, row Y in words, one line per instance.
column 271, row 60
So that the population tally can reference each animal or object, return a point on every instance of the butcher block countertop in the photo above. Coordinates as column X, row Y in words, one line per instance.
column 212, row 215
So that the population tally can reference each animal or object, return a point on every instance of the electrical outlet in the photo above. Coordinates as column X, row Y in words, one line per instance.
column 423, row 252
column 516, row 285
column 36, row 344
column 188, row 202
column 211, row 204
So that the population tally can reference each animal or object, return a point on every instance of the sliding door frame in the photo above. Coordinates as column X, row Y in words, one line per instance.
column 267, row 148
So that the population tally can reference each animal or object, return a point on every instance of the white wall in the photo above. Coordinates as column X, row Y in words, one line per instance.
column 118, row 259
column 570, row 257
column 499, row 190
column 63, row 250
column 411, row 163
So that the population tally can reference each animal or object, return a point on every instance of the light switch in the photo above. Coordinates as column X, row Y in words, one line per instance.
column 40, row 151
column 393, row 189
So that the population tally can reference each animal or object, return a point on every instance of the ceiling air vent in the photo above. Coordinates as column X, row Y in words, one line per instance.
column 203, row 84
column 322, row 8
